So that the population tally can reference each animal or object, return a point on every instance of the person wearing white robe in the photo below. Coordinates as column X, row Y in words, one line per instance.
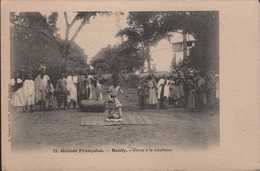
column 72, row 89
column 29, row 93
column 45, row 80
column 167, row 89
column 43, row 89
column 159, row 87
column 99, row 91
column 17, row 98
column 37, row 83
column 89, row 86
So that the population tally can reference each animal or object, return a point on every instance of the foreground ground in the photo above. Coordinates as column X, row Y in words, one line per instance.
column 173, row 127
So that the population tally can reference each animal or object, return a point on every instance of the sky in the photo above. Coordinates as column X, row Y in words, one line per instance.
column 101, row 31
column 97, row 34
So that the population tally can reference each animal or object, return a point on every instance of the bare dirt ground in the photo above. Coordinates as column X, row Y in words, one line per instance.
column 175, row 127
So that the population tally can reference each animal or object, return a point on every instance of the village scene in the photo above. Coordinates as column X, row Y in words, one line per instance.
column 113, row 78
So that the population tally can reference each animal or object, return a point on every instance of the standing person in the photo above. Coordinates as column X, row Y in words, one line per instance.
column 81, row 87
column 89, row 86
column 50, row 95
column 152, row 99
column 61, row 91
column 160, row 96
column 172, row 91
column 113, row 97
column 146, row 93
column 201, row 92
column 191, row 103
column 99, row 89
column 140, row 93
column 75, row 79
column 29, row 93
column 43, row 91
column 167, row 89
column 181, row 91
column 72, row 90
column 17, row 98
column 185, row 90
column 177, row 93
column 37, row 83
column 93, row 88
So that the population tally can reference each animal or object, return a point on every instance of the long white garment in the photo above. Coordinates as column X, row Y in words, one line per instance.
column 45, row 80
column 72, row 89
column 18, row 99
column 159, row 87
column 29, row 92
column 90, row 86
column 99, row 92
column 75, row 79
column 167, row 89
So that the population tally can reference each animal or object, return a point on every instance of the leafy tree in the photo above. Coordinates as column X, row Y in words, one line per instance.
column 123, row 57
column 144, row 30
column 34, row 42
column 147, row 28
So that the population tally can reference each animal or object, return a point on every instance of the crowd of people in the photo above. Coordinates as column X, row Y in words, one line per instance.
column 41, row 94
column 184, row 87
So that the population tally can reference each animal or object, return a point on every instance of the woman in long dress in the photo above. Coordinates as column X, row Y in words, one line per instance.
column 81, row 88
column 89, row 87
column 152, row 93
column 43, row 90
column 72, row 90
column 50, row 95
column 160, row 86
column 167, row 89
column 37, row 83
column 17, row 99
column 160, row 95
column 61, row 92
column 29, row 93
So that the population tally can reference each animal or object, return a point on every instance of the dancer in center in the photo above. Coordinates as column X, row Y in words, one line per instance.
column 114, row 105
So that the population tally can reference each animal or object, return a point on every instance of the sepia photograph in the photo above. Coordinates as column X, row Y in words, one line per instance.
column 130, row 85
column 114, row 79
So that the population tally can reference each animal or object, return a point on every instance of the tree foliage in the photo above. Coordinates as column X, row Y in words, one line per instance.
column 147, row 28
column 34, row 42
column 123, row 57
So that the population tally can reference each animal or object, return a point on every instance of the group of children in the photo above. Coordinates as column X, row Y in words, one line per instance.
column 188, row 89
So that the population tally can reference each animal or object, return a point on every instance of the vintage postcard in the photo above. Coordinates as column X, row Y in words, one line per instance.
column 127, row 85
